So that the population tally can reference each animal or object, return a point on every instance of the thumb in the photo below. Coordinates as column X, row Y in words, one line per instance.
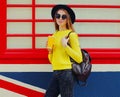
column 67, row 39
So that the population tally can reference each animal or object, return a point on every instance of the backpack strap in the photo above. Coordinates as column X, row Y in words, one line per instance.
column 69, row 34
column 68, row 37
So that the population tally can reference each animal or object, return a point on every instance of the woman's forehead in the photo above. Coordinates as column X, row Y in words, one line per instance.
column 61, row 11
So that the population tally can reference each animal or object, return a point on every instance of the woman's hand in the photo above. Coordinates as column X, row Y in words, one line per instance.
column 64, row 41
column 50, row 51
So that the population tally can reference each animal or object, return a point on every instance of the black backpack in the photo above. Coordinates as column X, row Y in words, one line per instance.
column 82, row 70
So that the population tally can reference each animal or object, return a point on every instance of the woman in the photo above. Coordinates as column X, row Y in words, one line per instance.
column 59, row 56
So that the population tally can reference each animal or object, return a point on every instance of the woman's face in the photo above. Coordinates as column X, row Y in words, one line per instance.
column 61, row 18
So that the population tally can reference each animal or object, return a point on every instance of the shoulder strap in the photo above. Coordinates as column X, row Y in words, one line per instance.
column 69, row 34
column 68, row 37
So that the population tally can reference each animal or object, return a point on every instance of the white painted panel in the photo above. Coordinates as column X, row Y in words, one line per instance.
column 19, row 13
column 43, row 13
column 19, row 42
column 26, row 68
column 97, row 13
column 19, row 1
column 87, row 42
column 45, row 27
column 100, row 42
column 100, row 2
column 83, row 13
column 97, row 28
column 48, row 68
column 19, row 28
column 41, row 42
column 82, row 28
column 78, row 2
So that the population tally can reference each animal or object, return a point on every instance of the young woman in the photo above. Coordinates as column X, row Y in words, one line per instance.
column 59, row 55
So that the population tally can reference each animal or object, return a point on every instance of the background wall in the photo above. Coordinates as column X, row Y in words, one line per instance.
column 25, row 24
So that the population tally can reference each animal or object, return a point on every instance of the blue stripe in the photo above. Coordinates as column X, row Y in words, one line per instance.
column 39, row 79
column 100, row 84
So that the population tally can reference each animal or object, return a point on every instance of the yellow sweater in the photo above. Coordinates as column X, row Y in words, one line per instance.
column 60, row 59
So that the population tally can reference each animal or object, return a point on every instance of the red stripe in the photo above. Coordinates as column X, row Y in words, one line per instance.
column 20, row 20
column 19, row 5
column 93, row 6
column 2, row 25
column 85, row 20
column 99, row 35
column 99, row 56
column 20, row 89
column 71, row 5
column 80, row 35
column 77, row 20
column 33, row 24
column 99, row 20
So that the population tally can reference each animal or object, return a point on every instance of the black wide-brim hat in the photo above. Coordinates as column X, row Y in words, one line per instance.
column 68, row 9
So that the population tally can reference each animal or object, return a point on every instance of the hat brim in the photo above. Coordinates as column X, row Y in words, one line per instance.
column 68, row 9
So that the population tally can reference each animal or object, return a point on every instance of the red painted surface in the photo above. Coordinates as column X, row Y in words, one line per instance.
column 39, row 56
column 20, row 89
column 71, row 5
column 2, row 25
column 99, row 56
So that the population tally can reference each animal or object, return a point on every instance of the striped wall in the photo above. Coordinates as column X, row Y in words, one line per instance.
column 103, row 81
column 24, row 67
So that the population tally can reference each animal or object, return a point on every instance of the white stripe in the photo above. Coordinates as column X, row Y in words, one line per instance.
column 25, row 68
column 48, row 67
column 7, row 93
column 106, row 67
column 22, row 84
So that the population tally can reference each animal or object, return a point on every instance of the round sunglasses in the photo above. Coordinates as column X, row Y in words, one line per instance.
column 57, row 16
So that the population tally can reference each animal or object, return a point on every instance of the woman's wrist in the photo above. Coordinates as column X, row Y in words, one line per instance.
column 50, row 51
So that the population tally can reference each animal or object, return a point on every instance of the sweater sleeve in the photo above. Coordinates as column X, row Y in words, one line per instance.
column 74, row 50
column 50, row 54
column 50, row 57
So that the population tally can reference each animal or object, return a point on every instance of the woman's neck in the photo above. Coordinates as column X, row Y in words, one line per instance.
column 62, row 28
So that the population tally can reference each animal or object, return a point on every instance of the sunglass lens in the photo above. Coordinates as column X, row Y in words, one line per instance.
column 64, row 17
column 57, row 16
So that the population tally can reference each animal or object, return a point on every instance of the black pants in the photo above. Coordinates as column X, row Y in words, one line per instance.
column 62, row 83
